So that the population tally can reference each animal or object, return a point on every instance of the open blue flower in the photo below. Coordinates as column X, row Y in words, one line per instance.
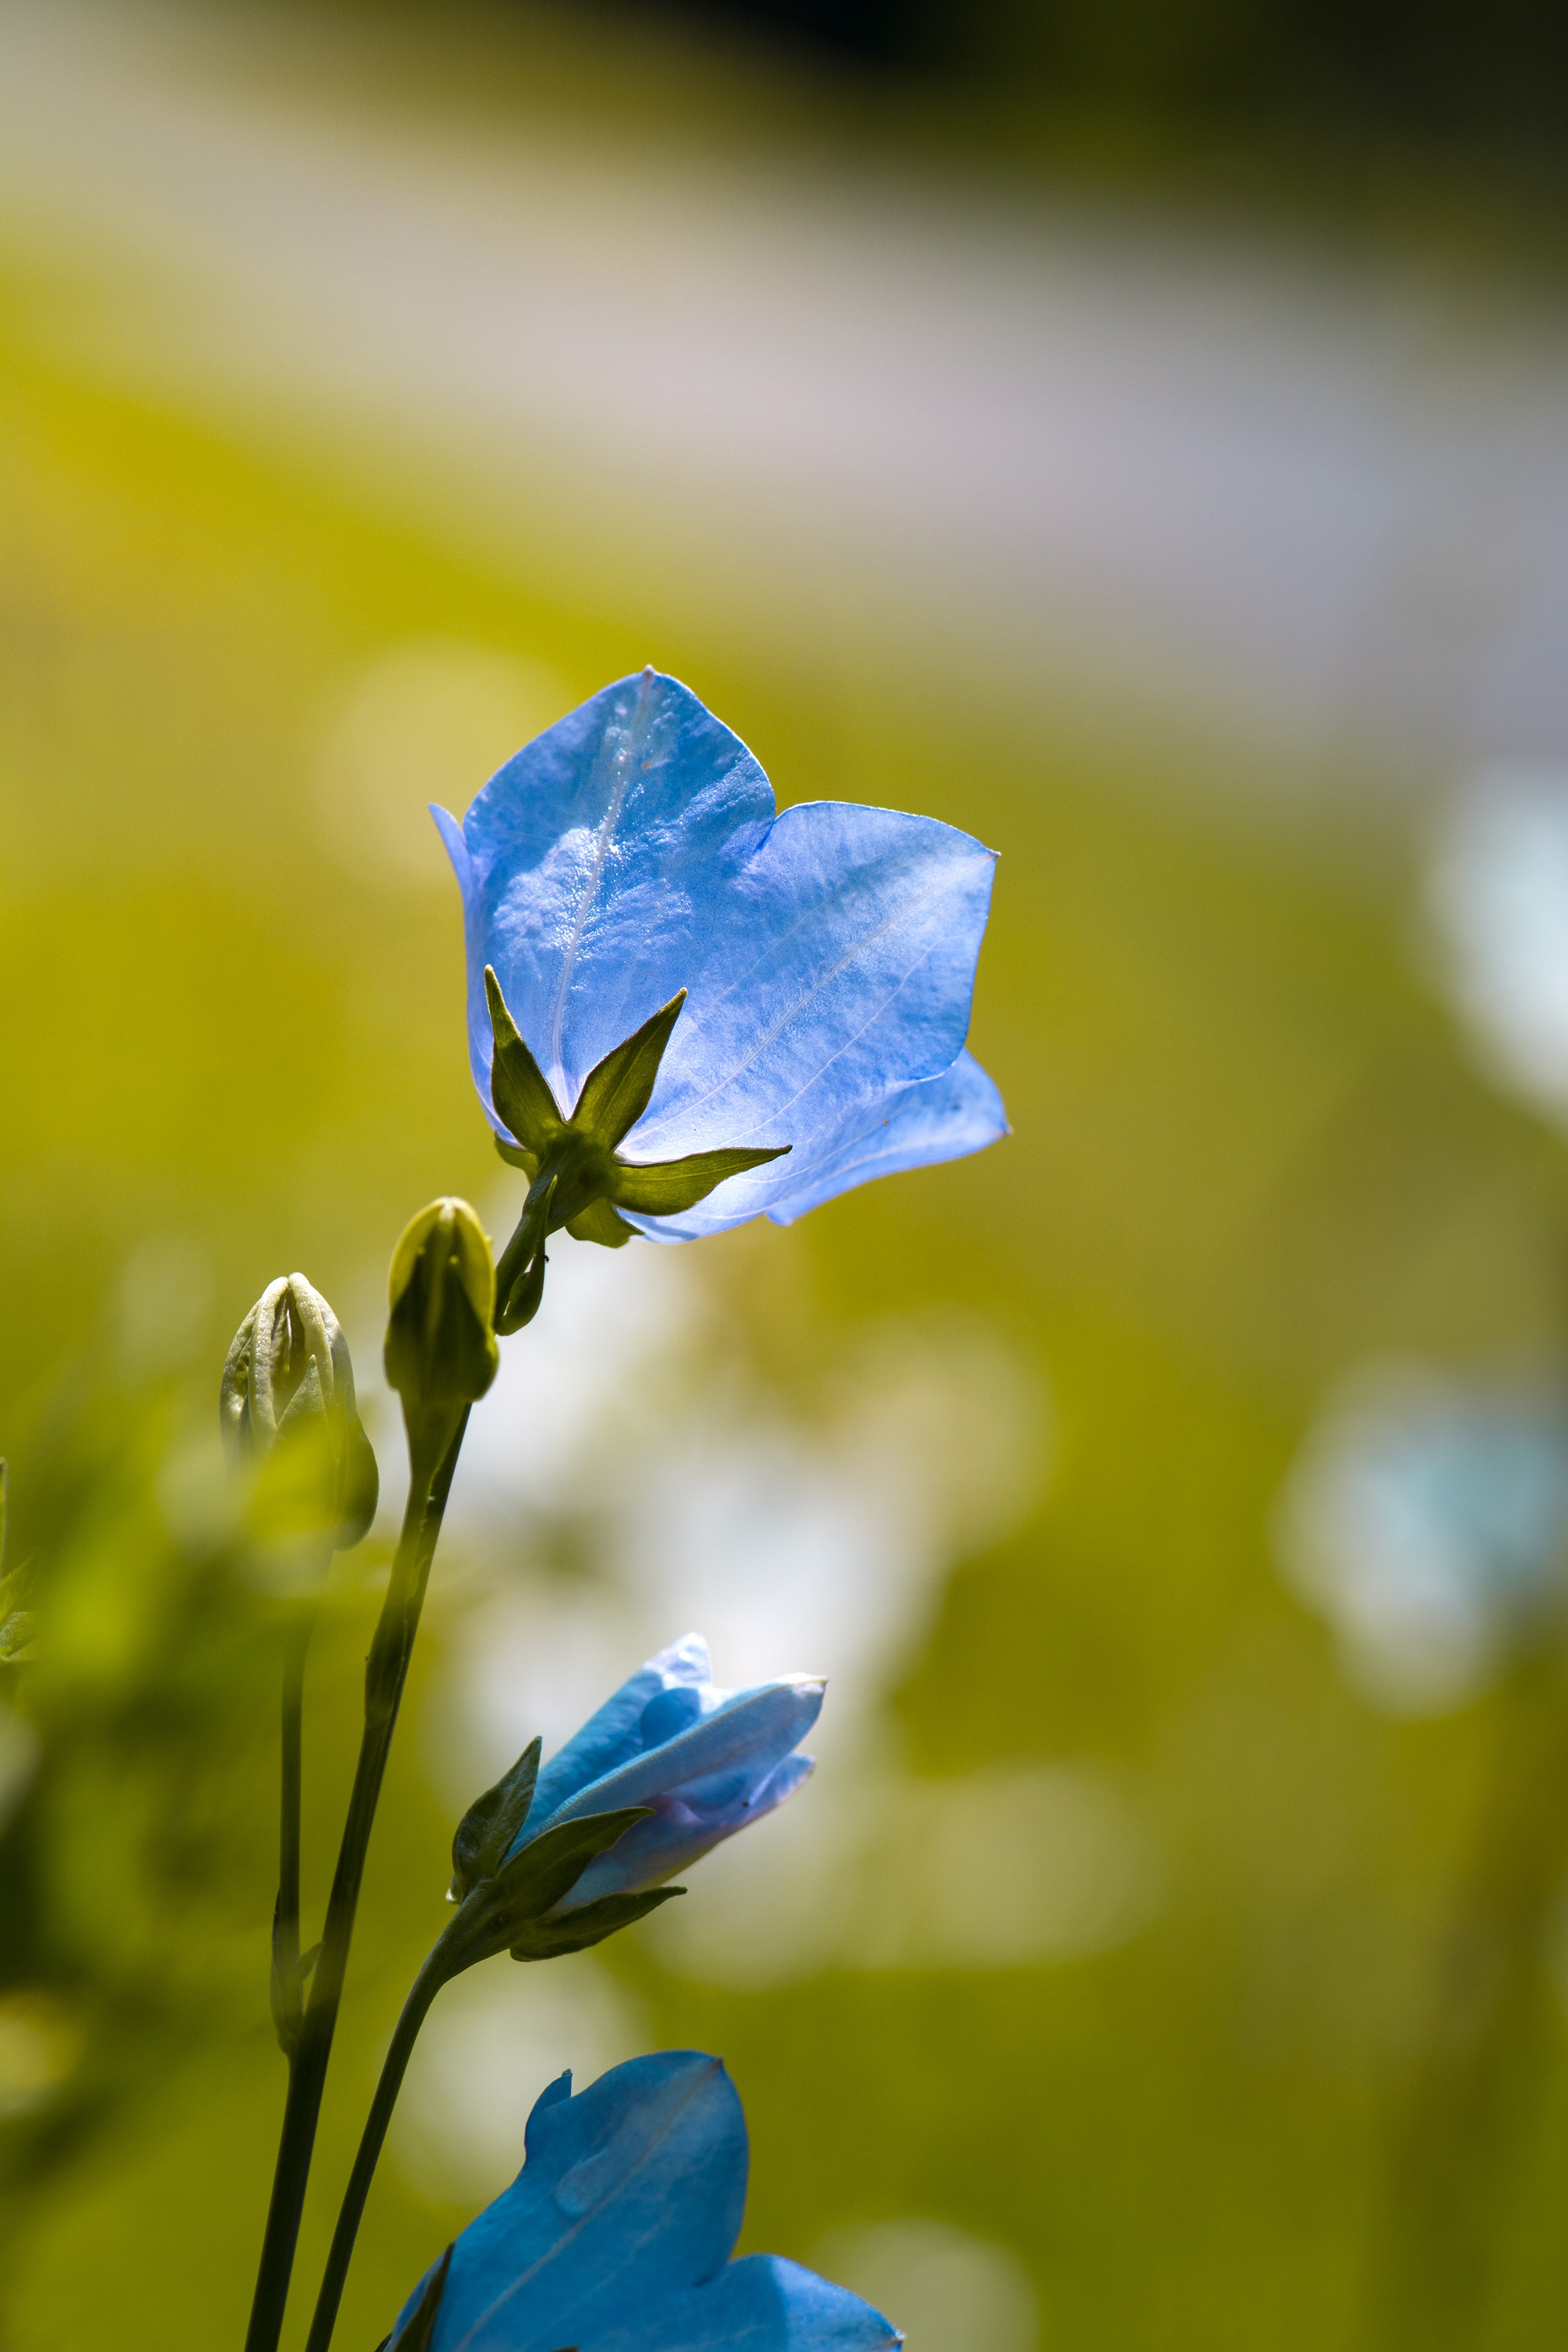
column 706, row 1761
column 615, row 2236
column 634, row 851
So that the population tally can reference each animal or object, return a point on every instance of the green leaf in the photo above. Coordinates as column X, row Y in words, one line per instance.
column 518, row 1085
column 599, row 1222
column 616, row 1091
column 548, row 1939
column 667, row 1186
column 420, row 2332
column 486, row 1834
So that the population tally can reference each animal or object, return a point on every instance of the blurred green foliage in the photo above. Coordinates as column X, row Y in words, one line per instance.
column 1247, row 1152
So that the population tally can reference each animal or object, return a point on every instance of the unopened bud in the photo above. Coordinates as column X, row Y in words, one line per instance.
column 440, row 1340
column 287, row 1375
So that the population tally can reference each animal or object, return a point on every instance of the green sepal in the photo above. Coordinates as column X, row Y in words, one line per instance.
column 497, row 1913
column 617, row 1090
column 666, row 1187
column 490, row 1829
column 515, row 1156
column 576, row 1178
column 420, row 2332
column 600, row 1223
column 519, row 1089
column 549, row 1939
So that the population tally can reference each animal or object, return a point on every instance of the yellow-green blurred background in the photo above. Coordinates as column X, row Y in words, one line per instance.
column 1138, row 436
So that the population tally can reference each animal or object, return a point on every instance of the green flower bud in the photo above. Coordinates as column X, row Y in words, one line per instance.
column 288, row 1378
column 441, row 1343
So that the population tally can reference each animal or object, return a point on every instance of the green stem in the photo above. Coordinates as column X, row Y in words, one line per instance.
column 415, row 2008
column 286, row 1934
column 517, row 1301
column 433, row 1459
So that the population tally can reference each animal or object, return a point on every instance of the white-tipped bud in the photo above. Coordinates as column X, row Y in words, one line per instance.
column 288, row 1372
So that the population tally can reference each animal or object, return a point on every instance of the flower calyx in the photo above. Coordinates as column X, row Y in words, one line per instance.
column 506, row 1892
column 579, row 1180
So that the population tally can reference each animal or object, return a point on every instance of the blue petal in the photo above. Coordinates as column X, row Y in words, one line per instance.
column 916, row 1126
column 761, row 2303
column 632, row 2193
column 756, row 1728
column 633, row 850
column 614, row 1735
column 675, row 1835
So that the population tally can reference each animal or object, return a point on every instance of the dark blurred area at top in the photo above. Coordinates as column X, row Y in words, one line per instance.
column 1491, row 74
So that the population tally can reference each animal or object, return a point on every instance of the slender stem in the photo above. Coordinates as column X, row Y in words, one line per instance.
column 434, row 1450
column 523, row 1251
column 426, row 1985
column 286, row 1936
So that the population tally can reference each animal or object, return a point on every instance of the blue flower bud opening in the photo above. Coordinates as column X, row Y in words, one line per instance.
column 705, row 1761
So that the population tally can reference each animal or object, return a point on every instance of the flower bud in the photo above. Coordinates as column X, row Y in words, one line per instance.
column 288, row 1377
column 440, row 1340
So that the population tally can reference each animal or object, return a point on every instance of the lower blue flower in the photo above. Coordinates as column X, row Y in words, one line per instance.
column 617, row 2234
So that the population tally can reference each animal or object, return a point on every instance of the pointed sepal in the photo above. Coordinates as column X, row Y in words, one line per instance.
column 577, row 1179
column 617, row 1090
column 665, row 1187
column 599, row 1221
column 490, row 1827
column 550, row 1940
column 515, row 1156
column 519, row 1089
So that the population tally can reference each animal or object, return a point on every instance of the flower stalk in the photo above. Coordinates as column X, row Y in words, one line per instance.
column 287, row 1973
column 440, row 1355
column 511, row 1909
column 387, row 1670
